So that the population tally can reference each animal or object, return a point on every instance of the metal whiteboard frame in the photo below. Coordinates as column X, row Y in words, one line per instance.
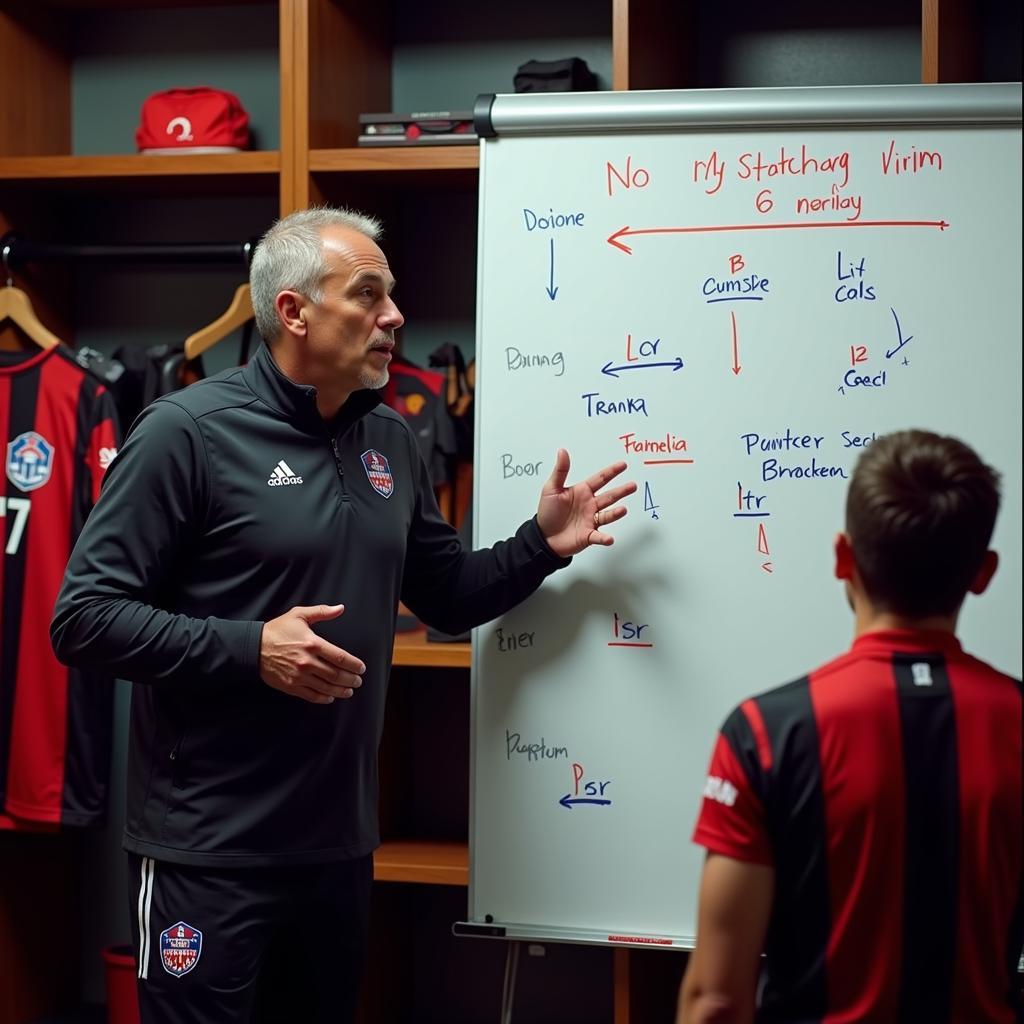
column 861, row 106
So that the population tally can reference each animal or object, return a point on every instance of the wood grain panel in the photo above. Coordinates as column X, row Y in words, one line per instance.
column 35, row 82
column 34, row 168
column 400, row 159
column 349, row 68
column 653, row 44
column 141, row 5
column 423, row 862
column 293, row 160
column 950, row 46
column 414, row 649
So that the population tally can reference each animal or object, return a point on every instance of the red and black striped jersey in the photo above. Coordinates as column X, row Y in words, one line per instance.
column 419, row 396
column 58, row 427
column 885, row 791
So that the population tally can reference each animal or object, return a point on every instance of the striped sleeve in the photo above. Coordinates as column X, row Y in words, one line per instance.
column 102, row 441
column 732, row 819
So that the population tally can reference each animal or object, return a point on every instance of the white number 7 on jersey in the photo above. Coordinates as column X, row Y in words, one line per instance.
column 19, row 509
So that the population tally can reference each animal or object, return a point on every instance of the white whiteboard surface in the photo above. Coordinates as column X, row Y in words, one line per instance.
column 911, row 317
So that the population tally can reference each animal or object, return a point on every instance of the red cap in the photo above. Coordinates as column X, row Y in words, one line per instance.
column 192, row 120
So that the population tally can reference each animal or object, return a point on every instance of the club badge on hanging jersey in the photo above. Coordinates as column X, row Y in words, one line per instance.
column 181, row 945
column 378, row 472
column 29, row 461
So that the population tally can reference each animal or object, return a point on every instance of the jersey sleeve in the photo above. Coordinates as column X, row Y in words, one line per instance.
column 733, row 819
column 104, row 436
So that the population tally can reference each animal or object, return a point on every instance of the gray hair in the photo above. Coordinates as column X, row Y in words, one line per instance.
column 290, row 257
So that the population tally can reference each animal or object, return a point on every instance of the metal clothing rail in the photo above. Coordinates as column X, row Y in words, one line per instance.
column 19, row 251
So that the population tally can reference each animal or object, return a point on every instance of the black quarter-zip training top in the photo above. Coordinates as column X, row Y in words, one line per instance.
column 230, row 503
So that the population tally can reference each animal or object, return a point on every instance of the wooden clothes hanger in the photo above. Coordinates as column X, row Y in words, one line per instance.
column 16, row 306
column 237, row 313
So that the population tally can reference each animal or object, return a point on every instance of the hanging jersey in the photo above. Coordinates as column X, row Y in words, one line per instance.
column 58, row 428
column 885, row 791
column 418, row 396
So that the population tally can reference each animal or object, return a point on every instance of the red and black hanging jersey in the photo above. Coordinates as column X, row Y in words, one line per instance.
column 885, row 791
column 58, row 428
column 419, row 396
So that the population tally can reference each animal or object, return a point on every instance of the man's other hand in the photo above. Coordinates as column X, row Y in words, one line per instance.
column 294, row 660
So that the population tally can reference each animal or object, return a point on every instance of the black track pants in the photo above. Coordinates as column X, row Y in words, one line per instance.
column 229, row 946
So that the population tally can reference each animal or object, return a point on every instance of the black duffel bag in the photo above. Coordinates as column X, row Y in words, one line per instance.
column 569, row 75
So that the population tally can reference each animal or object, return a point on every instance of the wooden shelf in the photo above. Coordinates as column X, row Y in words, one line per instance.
column 252, row 171
column 140, row 5
column 400, row 159
column 415, row 649
column 367, row 172
column 423, row 862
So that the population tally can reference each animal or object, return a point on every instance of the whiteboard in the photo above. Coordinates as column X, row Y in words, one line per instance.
column 734, row 291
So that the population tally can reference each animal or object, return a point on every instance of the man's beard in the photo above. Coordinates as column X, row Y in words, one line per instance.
column 374, row 380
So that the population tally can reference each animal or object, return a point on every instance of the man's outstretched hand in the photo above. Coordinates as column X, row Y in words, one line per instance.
column 572, row 518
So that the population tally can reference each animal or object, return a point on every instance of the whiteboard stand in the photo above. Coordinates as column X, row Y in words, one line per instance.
column 508, row 991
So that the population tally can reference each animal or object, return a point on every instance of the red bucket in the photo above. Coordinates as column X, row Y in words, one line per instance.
column 122, row 998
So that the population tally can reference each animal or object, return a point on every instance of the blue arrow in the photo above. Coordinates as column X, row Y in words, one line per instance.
column 568, row 801
column 677, row 364
column 551, row 289
column 899, row 334
column 649, row 505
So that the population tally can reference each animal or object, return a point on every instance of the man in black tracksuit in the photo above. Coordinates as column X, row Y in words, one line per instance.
column 241, row 513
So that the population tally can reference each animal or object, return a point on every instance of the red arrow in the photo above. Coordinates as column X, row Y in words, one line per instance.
column 767, row 566
column 614, row 239
column 735, row 347
column 618, row 245
column 762, row 540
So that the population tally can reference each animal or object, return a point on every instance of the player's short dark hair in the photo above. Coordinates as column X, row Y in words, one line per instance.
column 920, row 511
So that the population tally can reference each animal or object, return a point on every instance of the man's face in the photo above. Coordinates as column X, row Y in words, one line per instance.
column 351, row 331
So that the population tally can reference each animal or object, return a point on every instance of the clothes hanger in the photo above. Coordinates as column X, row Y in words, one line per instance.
column 237, row 313
column 16, row 306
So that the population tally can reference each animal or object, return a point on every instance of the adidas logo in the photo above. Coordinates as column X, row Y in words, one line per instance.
column 283, row 475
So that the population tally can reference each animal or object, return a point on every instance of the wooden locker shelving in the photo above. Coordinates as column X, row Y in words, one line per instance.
column 337, row 59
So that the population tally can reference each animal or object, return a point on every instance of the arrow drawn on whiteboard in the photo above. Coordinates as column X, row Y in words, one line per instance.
column 899, row 334
column 767, row 566
column 649, row 505
column 551, row 289
column 568, row 800
column 628, row 231
column 612, row 371
column 735, row 347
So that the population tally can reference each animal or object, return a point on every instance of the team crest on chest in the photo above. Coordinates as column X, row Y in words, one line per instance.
column 29, row 461
column 378, row 472
column 180, row 948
